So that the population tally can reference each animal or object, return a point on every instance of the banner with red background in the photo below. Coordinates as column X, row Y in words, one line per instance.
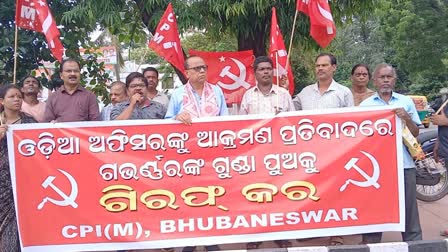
column 158, row 183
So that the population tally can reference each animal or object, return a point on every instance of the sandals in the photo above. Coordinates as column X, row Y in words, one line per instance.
column 283, row 243
column 336, row 241
column 253, row 245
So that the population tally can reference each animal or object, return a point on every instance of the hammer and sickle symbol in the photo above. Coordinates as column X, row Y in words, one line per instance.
column 239, row 80
column 67, row 200
column 369, row 180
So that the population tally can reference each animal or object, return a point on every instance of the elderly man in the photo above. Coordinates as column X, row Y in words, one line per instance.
column 31, row 105
column 152, row 75
column 197, row 98
column 326, row 93
column 138, row 106
column 384, row 78
column 71, row 102
column 265, row 97
column 117, row 94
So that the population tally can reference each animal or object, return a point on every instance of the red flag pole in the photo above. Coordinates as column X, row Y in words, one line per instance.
column 290, row 40
column 15, row 55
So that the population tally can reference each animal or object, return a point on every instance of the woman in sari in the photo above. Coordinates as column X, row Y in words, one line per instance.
column 11, row 102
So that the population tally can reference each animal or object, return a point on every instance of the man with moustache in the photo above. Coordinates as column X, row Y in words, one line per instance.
column 265, row 97
column 152, row 75
column 197, row 98
column 71, row 102
column 117, row 94
column 384, row 78
column 138, row 106
column 326, row 92
column 31, row 105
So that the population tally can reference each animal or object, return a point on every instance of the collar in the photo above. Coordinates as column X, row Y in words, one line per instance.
column 78, row 88
column 332, row 87
column 273, row 89
column 394, row 96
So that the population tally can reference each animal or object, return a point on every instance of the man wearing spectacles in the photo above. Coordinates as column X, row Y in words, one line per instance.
column 138, row 106
column 71, row 102
column 384, row 78
column 360, row 80
column 197, row 98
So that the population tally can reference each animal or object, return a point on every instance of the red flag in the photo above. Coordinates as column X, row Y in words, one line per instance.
column 35, row 15
column 166, row 42
column 322, row 28
column 232, row 71
column 277, row 49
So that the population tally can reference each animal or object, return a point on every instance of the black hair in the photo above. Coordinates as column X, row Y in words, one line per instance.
column 261, row 59
column 61, row 67
column 135, row 75
column 331, row 56
column 30, row 76
column 4, row 89
column 151, row 69
column 361, row 65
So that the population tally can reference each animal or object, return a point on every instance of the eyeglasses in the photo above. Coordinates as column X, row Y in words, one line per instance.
column 199, row 68
column 361, row 74
column 141, row 85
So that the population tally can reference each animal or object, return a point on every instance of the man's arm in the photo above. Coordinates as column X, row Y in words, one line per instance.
column 94, row 109
column 49, row 110
column 297, row 102
column 349, row 100
column 441, row 119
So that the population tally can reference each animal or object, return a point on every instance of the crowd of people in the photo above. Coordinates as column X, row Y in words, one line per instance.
column 138, row 98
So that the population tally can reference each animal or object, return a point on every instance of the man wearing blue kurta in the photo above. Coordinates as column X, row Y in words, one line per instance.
column 384, row 78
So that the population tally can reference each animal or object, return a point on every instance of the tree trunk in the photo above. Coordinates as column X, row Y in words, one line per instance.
column 257, row 44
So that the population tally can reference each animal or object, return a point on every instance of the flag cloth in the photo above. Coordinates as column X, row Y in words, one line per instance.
column 166, row 42
column 277, row 48
column 322, row 27
column 35, row 15
column 231, row 71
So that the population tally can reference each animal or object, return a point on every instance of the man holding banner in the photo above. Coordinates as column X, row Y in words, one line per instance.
column 197, row 98
column 265, row 97
column 384, row 78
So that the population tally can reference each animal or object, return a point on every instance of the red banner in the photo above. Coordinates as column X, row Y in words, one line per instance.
column 166, row 41
column 152, row 184
column 35, row 15
column 322, row 27
column 278, row 53
column 232, row 71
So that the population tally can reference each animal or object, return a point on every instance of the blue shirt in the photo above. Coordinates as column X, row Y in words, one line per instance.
column 398, row 101
column 175, row 106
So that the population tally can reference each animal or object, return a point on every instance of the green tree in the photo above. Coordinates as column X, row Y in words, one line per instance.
column 415, row 31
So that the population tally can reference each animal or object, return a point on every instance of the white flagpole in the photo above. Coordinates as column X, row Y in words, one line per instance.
column 15, row 56
column 278, row 83
column 290, row 40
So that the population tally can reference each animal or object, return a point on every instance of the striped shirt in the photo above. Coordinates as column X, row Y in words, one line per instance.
column 336, row 96
column 255, row 102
